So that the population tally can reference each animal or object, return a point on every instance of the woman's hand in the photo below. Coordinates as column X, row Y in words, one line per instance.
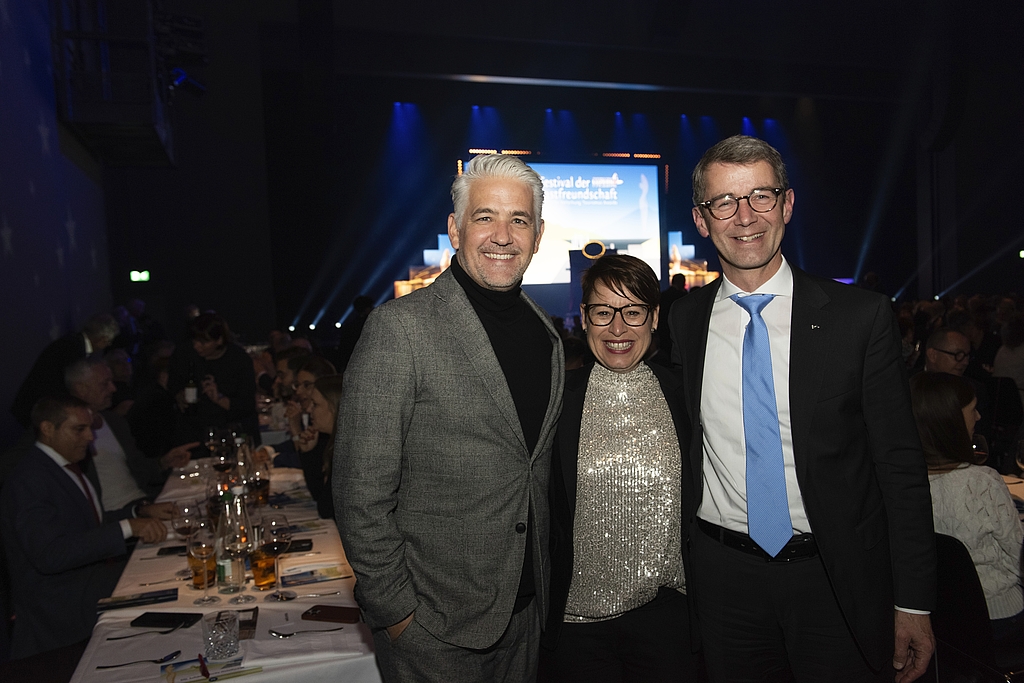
column 213, row 393
column 307, row 439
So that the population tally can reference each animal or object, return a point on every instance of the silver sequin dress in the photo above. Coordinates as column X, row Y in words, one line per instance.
column 626, row 532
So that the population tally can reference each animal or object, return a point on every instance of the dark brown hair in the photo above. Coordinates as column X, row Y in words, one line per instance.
column 210, row 327
column 625, row 275
column 938, row 401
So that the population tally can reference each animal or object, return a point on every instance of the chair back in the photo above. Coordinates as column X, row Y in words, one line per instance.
column 961, row 614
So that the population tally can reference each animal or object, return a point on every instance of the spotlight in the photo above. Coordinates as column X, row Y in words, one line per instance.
column 312, row 326
column 1021, row 253
column 337, row 324
column 180, row 80
column 936, row 297
column 291, row 328
column 139, row 275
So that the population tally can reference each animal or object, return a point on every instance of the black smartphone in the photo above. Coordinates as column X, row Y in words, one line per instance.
column 166, row 619
column 335, row 613
column 173, row 550
column 301, row 545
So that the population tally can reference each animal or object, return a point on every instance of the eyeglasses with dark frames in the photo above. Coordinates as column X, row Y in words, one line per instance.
column 761, row 200
column 957, row 355
column 601, row 315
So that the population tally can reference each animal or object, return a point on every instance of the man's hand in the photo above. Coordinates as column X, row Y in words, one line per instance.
column 915, row 644
column 178, row 456
column 156, row 510
column 148, row 530
column 395, row 630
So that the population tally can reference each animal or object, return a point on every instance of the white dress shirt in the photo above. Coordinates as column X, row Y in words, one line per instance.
column 721, row 409
column 119, row 486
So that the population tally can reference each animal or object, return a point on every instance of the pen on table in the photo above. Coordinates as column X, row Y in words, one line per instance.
column 203, row 668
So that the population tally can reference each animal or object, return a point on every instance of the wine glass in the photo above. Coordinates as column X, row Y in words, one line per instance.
column 183, row 519
column 201, row 546
column 276, row 537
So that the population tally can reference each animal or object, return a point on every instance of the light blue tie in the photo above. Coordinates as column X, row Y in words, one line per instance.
column 768, row 519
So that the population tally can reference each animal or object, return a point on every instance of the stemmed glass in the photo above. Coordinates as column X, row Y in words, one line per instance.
column 201, row 546
column 184, row 517
column 276, row 537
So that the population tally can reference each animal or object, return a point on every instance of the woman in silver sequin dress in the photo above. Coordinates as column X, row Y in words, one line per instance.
column 618, row 607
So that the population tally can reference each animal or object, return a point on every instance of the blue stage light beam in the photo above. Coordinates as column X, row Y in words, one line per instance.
column 902, row 131
column 404, row 146
column 620, row 138
column 776, row 136
column 708, row 133
column 998, row 254
column 748, row 127
column 562, row 137
column 485, row 129
column 642, row 137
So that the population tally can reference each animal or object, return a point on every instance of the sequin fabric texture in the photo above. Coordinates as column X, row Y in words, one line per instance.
column 626, row 533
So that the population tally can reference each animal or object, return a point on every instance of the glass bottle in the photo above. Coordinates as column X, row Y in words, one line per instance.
column 234, row 541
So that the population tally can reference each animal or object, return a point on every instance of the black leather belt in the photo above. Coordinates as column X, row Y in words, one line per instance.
column 800, row 547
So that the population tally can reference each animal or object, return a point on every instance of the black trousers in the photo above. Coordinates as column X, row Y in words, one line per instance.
column 650, row 644
column 771, row 621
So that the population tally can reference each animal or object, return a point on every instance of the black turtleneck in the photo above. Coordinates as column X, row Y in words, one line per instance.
column 523, row 347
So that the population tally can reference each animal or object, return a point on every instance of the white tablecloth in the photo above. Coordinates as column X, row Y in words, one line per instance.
column 345, row 655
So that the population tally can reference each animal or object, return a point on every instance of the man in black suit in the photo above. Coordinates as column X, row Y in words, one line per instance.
column 851, row 569
column 46, row 378
column 62, row 558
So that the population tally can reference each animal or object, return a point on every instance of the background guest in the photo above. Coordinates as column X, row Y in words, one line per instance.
column 324, row 398
column 223, row 375
column 59, row 550
column 47, row 374
column 971, row 502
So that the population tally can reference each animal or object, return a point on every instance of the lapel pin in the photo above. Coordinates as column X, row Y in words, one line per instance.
column 815, row 327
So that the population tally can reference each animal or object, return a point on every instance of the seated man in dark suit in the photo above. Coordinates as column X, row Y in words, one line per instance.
column 61, row 555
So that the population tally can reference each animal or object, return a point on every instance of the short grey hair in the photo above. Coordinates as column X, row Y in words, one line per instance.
column 497, row 166
column 102, row 326
column 80, row 371
column 739, row 149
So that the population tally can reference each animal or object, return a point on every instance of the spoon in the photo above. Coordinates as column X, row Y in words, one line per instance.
column 144, row 633
column 318, row 595
column 165, row 658
column 278, row 634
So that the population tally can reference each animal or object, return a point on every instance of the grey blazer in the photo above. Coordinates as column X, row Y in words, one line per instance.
column 432, row 474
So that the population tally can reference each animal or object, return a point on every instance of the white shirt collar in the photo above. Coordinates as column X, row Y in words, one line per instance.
column 54, row 455
column 780, row 284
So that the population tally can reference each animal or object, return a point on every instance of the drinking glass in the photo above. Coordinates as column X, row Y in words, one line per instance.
column 276, row 536
column 201, row 546
column 184, row 517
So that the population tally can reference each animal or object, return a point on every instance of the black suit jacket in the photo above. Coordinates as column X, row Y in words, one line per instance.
column 862, row 476
column 57, row 555
column 563, row 479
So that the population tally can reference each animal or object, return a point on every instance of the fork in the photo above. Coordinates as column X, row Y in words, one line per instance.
column 146, row 633
column 162, row 660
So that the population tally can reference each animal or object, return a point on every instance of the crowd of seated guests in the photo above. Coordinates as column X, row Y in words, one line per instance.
column 106, row 417
column 979, row 338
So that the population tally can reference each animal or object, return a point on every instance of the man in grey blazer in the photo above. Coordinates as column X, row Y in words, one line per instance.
column 443, row 449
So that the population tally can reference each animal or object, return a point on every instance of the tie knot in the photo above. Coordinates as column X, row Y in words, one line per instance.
column 753, row 303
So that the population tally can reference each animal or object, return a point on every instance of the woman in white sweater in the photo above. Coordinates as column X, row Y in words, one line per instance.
column 970, row 502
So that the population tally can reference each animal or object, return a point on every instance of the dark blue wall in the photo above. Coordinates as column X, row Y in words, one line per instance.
column 53, row 241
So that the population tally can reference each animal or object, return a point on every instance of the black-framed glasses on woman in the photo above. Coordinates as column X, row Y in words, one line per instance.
column 601, row 315
column 761, row 200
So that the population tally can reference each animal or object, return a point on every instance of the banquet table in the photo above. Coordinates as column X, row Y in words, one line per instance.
column 345, row 655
